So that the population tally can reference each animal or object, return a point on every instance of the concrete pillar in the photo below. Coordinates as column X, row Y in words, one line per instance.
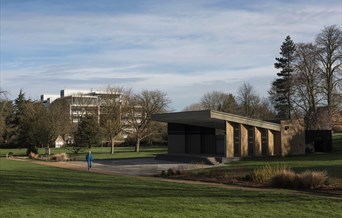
column 257, row 141
column 229, row 150
column 270, row 142
column 243, row 140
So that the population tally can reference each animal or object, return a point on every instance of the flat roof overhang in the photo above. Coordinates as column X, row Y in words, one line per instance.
column 212, row 119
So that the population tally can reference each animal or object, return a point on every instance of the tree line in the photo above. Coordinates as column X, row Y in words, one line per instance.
column 246, row 103
column 27, row 123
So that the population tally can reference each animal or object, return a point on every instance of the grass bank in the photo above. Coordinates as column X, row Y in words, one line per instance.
column 30, row 190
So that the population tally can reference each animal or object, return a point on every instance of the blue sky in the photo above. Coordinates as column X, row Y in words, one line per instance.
column 184, row 48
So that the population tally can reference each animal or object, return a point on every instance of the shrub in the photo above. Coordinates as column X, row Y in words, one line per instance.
column 171, row 172
column 265, row 173
column 75, row 149
column 163, row 173
column 312, row 179
column 31, row 149
column 33, row 155
column 280, row 176
column 304, row 180
column 182, row 169
column 60, row 157
column 284, row 179
column 10, row 154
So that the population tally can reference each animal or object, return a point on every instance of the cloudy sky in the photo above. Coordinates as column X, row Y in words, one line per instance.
column 184, row 48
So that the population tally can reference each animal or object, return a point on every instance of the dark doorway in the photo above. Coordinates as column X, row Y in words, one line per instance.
column 320, row 139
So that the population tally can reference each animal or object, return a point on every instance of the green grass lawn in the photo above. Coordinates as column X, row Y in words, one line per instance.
column 98, row 152
column 330, row 162
column 30, row 190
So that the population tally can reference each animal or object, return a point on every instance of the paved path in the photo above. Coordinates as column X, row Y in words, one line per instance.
column 131, row 167
column 143, row 166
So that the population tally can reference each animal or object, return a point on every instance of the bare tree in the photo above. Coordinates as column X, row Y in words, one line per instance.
column 219, row 101
column 114, row 103
column 59, row 119
column 265, row 110
column 329, row 43
column 143, row 106
column 307, row 82
column 194, row 107
column 248, row 100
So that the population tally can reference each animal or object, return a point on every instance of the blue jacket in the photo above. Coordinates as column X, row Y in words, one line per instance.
column 89, row 157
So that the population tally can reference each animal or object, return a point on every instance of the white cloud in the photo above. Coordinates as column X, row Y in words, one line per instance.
column 191, row 46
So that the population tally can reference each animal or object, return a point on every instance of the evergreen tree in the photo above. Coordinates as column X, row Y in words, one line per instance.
column 88, row 132
column 19, row 107
column 283, row 84
column 28, row 125
column 17, row 120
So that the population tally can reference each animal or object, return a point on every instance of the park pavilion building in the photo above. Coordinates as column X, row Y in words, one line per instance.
column 214, row 133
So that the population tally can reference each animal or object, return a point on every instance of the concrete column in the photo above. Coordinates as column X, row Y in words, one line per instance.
column 229, row 150
column 257, row 141
column 243, row 140
column 270, row 142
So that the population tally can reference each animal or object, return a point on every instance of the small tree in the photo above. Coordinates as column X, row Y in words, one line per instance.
column 88, row 132
column 143, row 106
column 59, row 119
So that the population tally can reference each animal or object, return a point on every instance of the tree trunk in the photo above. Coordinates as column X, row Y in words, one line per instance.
column 112, row 148
column 137, row 145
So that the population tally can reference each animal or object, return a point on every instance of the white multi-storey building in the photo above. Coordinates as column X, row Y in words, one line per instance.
column 81, row 102
column 48, row 99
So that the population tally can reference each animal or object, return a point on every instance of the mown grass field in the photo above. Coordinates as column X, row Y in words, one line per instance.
column 31, row 190
column 98, row 152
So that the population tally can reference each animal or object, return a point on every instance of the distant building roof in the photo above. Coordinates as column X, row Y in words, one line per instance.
column 68, row 92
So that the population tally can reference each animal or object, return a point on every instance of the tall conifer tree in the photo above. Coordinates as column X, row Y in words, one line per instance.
column 283, row 84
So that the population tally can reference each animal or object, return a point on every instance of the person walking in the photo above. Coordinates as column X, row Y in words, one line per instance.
column 89, row 158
